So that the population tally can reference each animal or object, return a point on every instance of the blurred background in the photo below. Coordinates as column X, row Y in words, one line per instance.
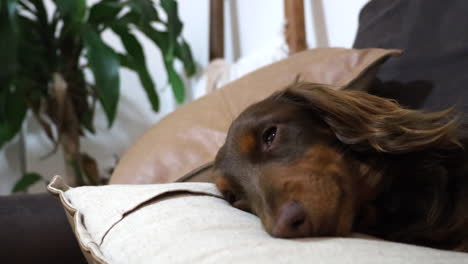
column 251, row 27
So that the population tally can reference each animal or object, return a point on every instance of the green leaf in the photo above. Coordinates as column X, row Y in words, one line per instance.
column 8, row 43
column 177, row 85
column 160, row 38
column 38, row 56
column 27, row 181
column 130, row 43
column 10, row 6
column 130, row 17
column 87, row 120
column 125, row 61
column 183, row 52
column 72, row 10
column 145, row 10
column 149, row 86
column 78, row 171
column 41, row 12
column 174, row 24
column 104, row 11
column 104, row 64
column 12, row 113
column 137, row 62
column 174, row 28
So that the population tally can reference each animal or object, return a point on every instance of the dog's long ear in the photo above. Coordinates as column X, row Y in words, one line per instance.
column 367, row 122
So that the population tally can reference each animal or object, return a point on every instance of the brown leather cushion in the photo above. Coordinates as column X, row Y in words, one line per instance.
column 191, row 136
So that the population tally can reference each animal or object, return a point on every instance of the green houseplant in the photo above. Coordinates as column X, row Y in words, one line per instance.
column 44, row 54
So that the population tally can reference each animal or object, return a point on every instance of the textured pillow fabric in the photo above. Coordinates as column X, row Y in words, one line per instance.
column 191, row 136
column 190, row 223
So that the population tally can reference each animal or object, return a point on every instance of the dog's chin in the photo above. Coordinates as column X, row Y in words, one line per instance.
column 310, row 234
column 292, row 236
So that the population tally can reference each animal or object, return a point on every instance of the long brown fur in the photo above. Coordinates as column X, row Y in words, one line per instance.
column 352, row 162
column 366, row 121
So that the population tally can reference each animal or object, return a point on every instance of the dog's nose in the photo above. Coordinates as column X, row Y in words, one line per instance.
column 292, row 221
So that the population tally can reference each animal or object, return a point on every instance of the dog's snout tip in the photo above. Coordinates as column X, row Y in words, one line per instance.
column 292, row 221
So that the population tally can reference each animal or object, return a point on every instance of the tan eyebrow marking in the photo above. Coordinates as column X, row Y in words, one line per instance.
column 222, row 183
column 246, row 143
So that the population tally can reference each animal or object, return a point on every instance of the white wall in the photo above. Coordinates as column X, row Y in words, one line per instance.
column 259, row 21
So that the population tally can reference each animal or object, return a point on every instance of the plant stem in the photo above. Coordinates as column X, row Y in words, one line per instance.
column 22, row 152
column 68, row 129
column 70, row 148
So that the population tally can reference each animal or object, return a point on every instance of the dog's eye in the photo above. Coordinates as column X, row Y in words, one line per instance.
column 269, row 136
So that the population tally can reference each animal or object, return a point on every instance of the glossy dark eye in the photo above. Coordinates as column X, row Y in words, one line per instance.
column 269, row 136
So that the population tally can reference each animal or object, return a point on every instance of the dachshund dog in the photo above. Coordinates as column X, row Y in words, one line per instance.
column 312, row 161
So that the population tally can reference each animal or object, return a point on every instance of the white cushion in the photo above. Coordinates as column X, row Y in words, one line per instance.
column 190, row 223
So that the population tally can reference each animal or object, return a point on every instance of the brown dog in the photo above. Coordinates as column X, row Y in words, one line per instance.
column 311, row 161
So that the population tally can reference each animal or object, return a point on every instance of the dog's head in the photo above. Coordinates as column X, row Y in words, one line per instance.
column 301, row 159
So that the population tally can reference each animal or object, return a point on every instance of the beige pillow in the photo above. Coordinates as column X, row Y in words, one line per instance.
column 190, row 223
